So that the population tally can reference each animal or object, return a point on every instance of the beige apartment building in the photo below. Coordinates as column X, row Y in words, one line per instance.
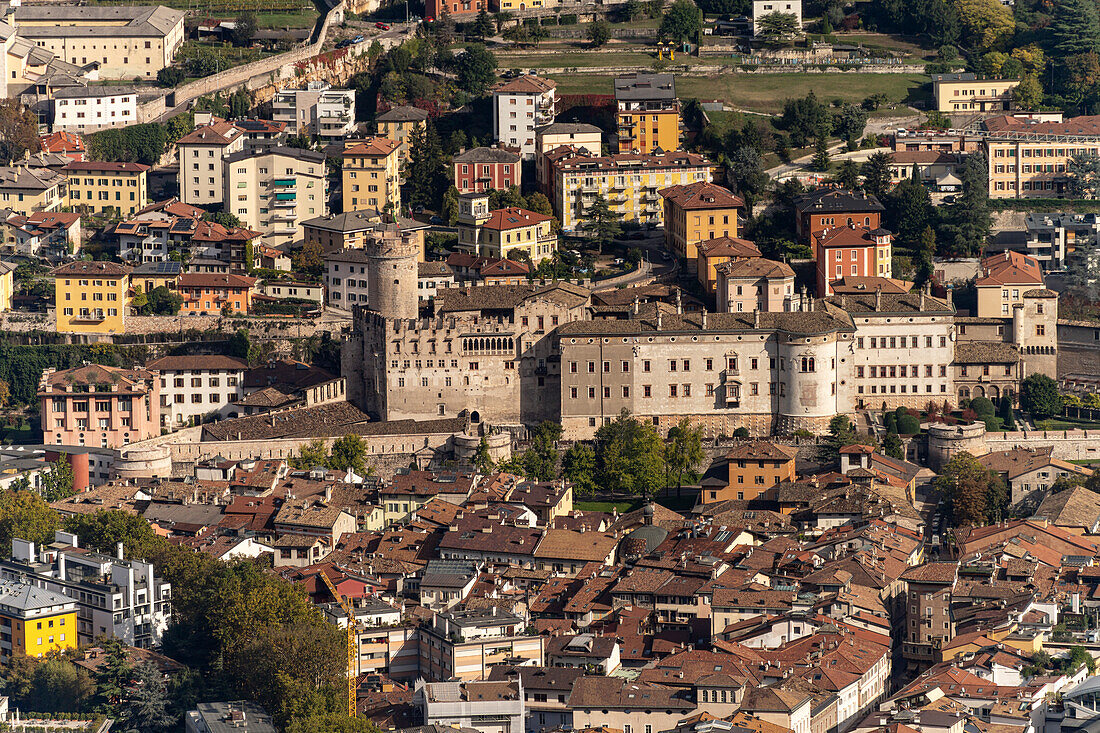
column 555, row 135
column 275, row 190
column 631, row 183
column 202, row 156
column 26, row 190
column 1027, row 157
column 98, row 187
column 126, row 41
column 966, row 92
column 353, row 229
column 399, row 124
column 372, row 175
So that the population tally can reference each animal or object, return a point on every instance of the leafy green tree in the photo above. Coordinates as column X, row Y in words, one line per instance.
column 1083, row 172
column 776, row 28
column 970, row 218
column 539, row 462
column 893, row 447
column 847, row 175
column 1028, row 94
column 171, row 76
column 146, row 709
column 482, row 27
column 112, row 679
column 1039, row 397
column 908, row 424
column 308, row 259
column 18, row 130
column 426, row 170
column 239, row 343
column 475, row 69
column 26, row 515
column 684, row 453
column 57, row 482
column 163, row 302
column 335, row 722
column 909, row 212
column 821, row 159
column 310, row 454
column 804, row 118
column 628, row 456
column 226, row 219
column 986, row 24
column 971, row 492
column 104, row 529
column 1074, row 28
column 1005, row 413
column 745, row 173
column 849, row 123
column 349, row 453
column 602, row 222
column 578, row 467
column 59, row 686
column 449, row 209
column 598, row 33
column 876, row 175
column 983, row 407
column 482, row 461
column 682, row 21
column 245, row 28
column 841, row 433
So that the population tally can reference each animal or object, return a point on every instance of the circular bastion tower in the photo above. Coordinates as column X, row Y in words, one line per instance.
column 392, row 255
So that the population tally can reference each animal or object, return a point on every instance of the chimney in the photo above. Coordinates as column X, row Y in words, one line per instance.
column 679, row 303
column 755, row 318
column 704, row 319
column 658, row 318
column 878, row 299
column 922, row 300
column 120, row 552
column 635, row 305
column 950, row 298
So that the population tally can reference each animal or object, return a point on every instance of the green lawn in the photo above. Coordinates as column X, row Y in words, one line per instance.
column 1074, row 425
column 304, row 18
column 766, row 92
column 606, row 506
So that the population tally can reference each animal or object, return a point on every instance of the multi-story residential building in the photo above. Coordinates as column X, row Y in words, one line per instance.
column 509, row 230
column 34, row 621
column 1052, row 239
column 27, row 190
column 90, row 108
column 753, row 284
column 519, row 106
column 386, row 646
column 345, row 278
column 486, row 169
column 274, row 191
column 929, row 620
column 50, row 235
column 579, row 135
column 371, row 176
column 1004, row 280
column 851, row 252
column 262, row 134
column 97, row 187
column 399, row 124
column 195, row 387
column 126, row 41
column 94, row 405
column 431, row 277
column 713, row 253
column 293, row 290
column 630, row 183
column 115, row 597
column 1027, row 156
column 202, row 159
column 7, row 285
column 491, row 707
column 149, row 276
column 754, row 467
column 154, row 236
column 91, row 297
column 458, row 9
column 316, row 110
column 647, row 114
column 465, row 645
column 899, row 369
column 1031, row 472
column 967, row 92
column 649, row 707
column 353, row 229
column 408, row 491
column 936, row 169
column 762, row 8
column 207, row 293
column 697, row 211
column 826, row 208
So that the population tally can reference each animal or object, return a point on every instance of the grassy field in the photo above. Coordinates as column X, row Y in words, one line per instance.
column 766, row 92
column 304, row 18
column 606, row 506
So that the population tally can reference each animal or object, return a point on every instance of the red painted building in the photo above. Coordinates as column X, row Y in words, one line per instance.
column 458, row 9
column 850, row 252
column 486, row 169
column 827, row 208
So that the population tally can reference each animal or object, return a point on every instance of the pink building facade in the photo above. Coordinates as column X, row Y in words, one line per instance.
column 99, row 406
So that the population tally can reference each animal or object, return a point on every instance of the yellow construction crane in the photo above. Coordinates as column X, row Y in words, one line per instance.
column 352, row 675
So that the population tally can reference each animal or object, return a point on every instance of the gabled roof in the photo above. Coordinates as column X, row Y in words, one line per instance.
column 371, row 146
column 87, row 268
column 403, row 114
column 526, row 84
column 762, row 450
column 701, row 195
column 487, row 155
column 836, row 200
column 1010, row 268
column 218, row 133
column 513, row 217
column 728, row 247
column 78, row 166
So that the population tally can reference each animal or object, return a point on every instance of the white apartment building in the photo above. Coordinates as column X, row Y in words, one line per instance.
column 85, row 109
column 316, row 110
column 193, row 388
column 275, row 190
column 118, row 598
column 760, row 8
column 519, row 106
column 490, row 707
column 202, row 156
column 346, row 278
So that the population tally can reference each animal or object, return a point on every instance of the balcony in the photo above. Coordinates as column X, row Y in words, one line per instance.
column 285, row 215
column 94, row 316
column 284, row 183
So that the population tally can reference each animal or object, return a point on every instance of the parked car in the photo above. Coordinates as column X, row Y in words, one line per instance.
column 344, row 43
column 381, row 26
column 436, row 220
column 357, row 39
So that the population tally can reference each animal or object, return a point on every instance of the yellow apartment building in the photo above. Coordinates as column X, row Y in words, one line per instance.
column 1027, row 155
column 398, row 124
column 647, row 113
column 966, row 92
column 121, row 189
column 91, row 297
column 7, row 285
column 695, row 212
column 717, row 251
column 630, row 183
column 126, row 41
column 372, row 175
column 34, row 621
column 509, row 230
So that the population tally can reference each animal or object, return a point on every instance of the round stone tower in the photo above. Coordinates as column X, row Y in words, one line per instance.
column 944, row 441
column 391, row 272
